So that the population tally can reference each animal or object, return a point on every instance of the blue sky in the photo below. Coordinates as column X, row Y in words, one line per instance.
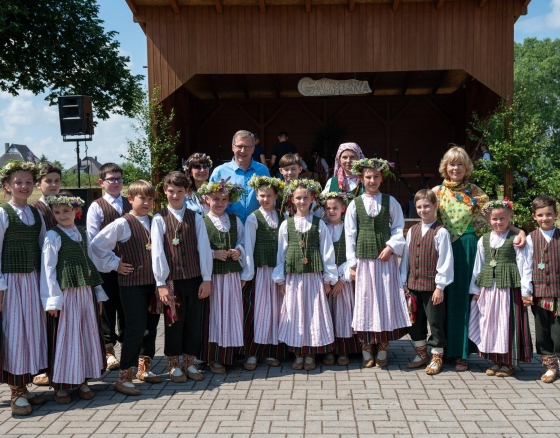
column 27, row 119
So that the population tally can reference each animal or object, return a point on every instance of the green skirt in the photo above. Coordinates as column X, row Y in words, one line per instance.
column 458, row 300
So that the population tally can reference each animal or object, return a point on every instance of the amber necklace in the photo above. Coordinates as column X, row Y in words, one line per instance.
column 303, row 242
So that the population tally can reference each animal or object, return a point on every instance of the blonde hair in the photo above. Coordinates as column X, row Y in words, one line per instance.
column 425, row 194
column 243, row 134
column 141, row 188
column 456, row 154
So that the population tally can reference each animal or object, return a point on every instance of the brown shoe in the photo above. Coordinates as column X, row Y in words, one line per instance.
column 328, row 359
column 112, row 362
column 190, row 369
column 41, row 380
column 18, row 393
column 85, row 395
column 367, row 363
column 435, row 365
column 422, row 353
column 384, row 346
column 271, row 361
column 123, row 384
column 62, row 399
column 508, row 371
column 250, row 366
column 36, row 399
column 298, row 363
column 491, row 371
column 144, row 374
column 550, row 364
column 217, row 368
column 309, row 362
column 343, row 361
column 173, row 363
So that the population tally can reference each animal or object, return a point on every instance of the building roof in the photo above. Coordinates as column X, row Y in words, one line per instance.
column 88, row 165
column 17, row 152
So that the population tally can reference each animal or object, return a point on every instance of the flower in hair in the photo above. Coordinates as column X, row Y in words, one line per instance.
column 197, row 156
column 14, row 166
column 235, row 191
column 313, row 186
column 379, row 164
column 72, row 201
column 497, row 205
column 346, row 197
column 257, row 181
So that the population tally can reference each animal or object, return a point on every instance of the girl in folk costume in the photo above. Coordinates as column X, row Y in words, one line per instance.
column 501, row 288
column 224, row 329
column 341, row 297
column 24, row 333
column 263, row 302
column 344, row 180
column 374, row 226
column 68, row 282
column 305, row 270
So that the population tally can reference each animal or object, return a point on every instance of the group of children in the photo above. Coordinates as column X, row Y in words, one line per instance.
column 285, row 281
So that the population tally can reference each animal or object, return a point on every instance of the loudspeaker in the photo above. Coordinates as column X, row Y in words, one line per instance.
column 88, row 195
column 76, row 116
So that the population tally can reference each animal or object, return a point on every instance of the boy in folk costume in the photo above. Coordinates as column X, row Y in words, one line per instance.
column 263, row 302
column 426, row 269
column 290, row 168
column 305, row 270
column 24, row 334
column 102, row 212
column 374, row 226
column 543, row 250
column 501, row 289
column 224, row 331
column 69, row 280
column 182, row 264
column 125, row 246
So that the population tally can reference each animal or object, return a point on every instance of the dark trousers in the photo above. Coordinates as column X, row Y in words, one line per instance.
column 185, row 336
column 427, row 313
column 547, row 332
column 113, row 313
column 141, row 325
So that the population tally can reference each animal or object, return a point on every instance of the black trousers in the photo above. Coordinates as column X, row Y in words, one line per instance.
column 185, row 336
column 547, row 331
column 427, row 313
column 141, row 325
column 113, row 313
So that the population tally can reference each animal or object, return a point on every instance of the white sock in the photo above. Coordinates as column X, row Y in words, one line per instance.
column 61, row 393
column 550, row 373
column 382, row 355
column 366, row 355
column 299, row 359
column 111, row 360
column 21, row 401
column 149, row 374
column 309, row 359
column 218, row 365
column 198, row 361
column 84, row 388
column 270, row 358
column 193, row 369
column 252, row 360
column 177, row 372
column 420, row 343
column 437, row 350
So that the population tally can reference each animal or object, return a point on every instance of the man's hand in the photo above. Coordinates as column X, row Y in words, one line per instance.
column 164, row 295
column 437, row 297
column 386, row 254
column 221, row 254
column 125, row 268
column 204, row 289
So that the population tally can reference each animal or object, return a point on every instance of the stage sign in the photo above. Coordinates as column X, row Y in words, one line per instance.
column 332, row 87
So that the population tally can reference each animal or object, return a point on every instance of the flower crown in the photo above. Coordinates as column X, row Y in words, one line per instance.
column 14, row 166
column 72, row 201
column 197, row 156
column 257, row 181
column 496, row 205
column 380, row 164
column 313, row 186
column 346, row 197
column 235, row 191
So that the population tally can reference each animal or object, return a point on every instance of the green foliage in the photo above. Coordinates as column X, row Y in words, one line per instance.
column 524, row 138
column 70, row 179
column 132, row 173
column 61, row 46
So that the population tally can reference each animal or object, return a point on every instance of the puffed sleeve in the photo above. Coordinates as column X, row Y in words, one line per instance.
column 444, row 267
column 525, row 271
column 240, row 240
column 478, row 264
column 159, row 261
column 100, row 294
column 204, row 250
column 529, row 256
column 351, row 230
column 403, row 267
column 93, row 220
column 330, row 271
column 4, row 223
column 102, row 246
column 396, row 242
column 251, row 226
column 278, row 275
column 51, row 294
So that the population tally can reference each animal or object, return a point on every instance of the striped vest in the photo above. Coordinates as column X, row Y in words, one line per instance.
column 220, row 240
column 505, row 272
column 74, row 268
column 546, row 282
column 134, row 251
column 266, row 242
column 296, row 253
column 423, row 258
column 109, row 212
column 183, row 259
column 340, row 249
column 48, row 216
column 373, row 232
column 21, row 253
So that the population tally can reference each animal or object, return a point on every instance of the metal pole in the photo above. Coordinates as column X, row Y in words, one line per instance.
column 78, row 160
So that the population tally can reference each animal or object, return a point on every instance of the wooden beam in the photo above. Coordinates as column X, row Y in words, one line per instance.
column 352, row 5
column 526, row 3
column 175, row 5
column 308, row 6
column 440, row 111
column 273, row 116
column 373, row 83
column 340, row 111
column 396, row 4
column 212, row 86
column 211, row 116
column 132, row 5
column 440, row 4
column 142, row 25
column 482, row 3
column 374, row 113
column 277, row 88
column 219, row 7
column 406, row 83
column 249, row 116
column 244, row 86
column 262, row 6
column 439, row 82
column 310, row 114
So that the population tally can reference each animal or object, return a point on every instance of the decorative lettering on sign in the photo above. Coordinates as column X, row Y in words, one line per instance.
column 332, row 87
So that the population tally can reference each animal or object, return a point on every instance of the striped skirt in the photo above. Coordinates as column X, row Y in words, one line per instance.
column 24, row 332
column 226, row 311
column 342, row 309
column 305, row 319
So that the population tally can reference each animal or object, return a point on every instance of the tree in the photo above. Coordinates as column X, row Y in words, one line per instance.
column 132, row 172
column 61, row 46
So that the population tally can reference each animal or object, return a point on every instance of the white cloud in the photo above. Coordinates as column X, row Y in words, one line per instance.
column 541, row 23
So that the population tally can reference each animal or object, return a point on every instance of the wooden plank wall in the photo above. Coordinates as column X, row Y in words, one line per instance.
column 373, row 38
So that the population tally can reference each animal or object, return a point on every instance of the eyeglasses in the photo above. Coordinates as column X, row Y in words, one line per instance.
column 201, row 166
column 114, row 180
column 241, row 147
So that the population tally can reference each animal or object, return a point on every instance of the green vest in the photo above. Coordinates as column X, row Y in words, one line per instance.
column 220, row 240
column 296, row 253
column 21, row 253
column 74, row 267
column 505, row 272
column 373, row 232
column 266, row 242
column 340, row 249
column 358, row 191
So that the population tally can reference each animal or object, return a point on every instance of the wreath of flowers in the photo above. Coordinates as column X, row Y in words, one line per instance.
column 14, row 166
column 380, row 164
column 197, row 156
column 235, row 191
column 497, row 205
column 313, row 186
column 72, row 201
column 346, row 197
column 257, row 181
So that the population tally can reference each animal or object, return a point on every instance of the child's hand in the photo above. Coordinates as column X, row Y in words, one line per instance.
column 337, row 288
column 100, row 305
column 386, row 254
column 353, row 273
column 521, row 239
column 475, row 297
column 235, row 254
column 437, row 297
column 243, row 283
column 327, row 287
column 282, row 289
column 125, row 268
column 53, row 313
column 164, row 294
column 221, row 254
column 527, row 301
column 204, row 290
column 406, row 291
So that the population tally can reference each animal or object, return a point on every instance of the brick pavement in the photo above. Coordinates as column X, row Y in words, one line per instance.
column 331, row 401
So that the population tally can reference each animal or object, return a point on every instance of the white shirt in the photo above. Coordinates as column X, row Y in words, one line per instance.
column 372, row 205
column 326, row 249
column 351, row 180
column 51, row 294
column 444, row 266
column 222, row 224
column 496, row 241
column 251, row 226
column 26, row 215
column 336, row 232
column 159, row 261
column 102, row 246
column 95, row 214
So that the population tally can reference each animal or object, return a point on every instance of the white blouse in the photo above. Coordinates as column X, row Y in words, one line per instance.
column 51, row 293
column 222, row 224
column 251, row 226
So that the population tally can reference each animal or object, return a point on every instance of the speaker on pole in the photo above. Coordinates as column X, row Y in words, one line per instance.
column 76, row 116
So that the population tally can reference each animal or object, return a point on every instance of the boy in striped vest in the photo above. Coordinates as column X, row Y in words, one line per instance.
column 125, row 246
column 543, row 247
column 426, row 269
column 102, row 212
column 182, row 265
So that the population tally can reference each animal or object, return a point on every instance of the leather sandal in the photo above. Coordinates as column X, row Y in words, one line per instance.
column 18, row 393
column 144, row 374
column 271, row 361
column 217, row 368
column 298, row 363
column 34, row 399
column 461, row 364
column 435, row 364
column 368, row 350
column 63, row 399
column 85, row 395
column 124, row 385
column 328, row 359
column 190, row 369
column 252, row 365
column 175, row 369
column 343, row 361
column 422, row 353
column 41, row 380
column 309, row 362
column 112, row 361
column 550, row 375
column 384, row 346
column 505, row 370
column 491, row 371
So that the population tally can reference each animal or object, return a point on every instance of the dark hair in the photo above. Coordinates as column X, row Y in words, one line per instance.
column 176, row 178
column 196, row 158
column 47, row 168
column 109, row 168
column 542, row 202
column 425, row 194
column 283, row 133
column 289, row 160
